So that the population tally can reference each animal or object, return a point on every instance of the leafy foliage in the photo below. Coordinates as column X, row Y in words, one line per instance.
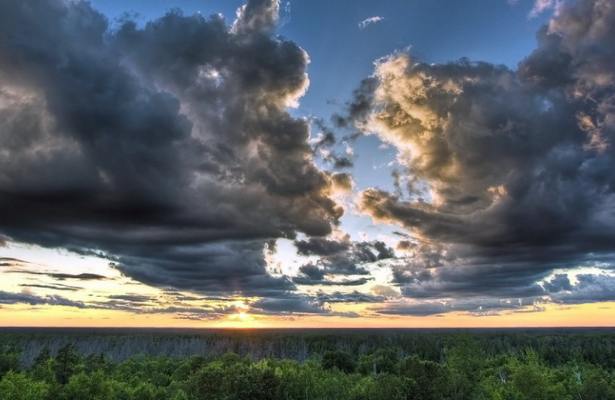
column 465, row 369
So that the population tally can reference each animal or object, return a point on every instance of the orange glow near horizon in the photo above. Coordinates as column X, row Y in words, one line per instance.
column 585, row 315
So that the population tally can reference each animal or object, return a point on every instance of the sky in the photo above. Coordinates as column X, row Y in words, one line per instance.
column 195, row 163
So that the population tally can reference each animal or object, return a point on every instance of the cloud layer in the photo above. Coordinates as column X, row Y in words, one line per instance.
column 168, row 148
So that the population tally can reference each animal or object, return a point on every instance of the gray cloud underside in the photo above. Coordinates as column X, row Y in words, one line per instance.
column 34, row 300
column 341, row 257
column 589, row 288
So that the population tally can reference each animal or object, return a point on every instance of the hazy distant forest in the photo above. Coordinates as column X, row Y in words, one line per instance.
column 514, row 365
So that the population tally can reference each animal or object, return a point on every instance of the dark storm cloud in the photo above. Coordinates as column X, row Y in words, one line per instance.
column 217, row 268
column 167, row 148
column 321, row 246
column 312, row 272
column 360, row 251
column 339, row 257
column 510, row 170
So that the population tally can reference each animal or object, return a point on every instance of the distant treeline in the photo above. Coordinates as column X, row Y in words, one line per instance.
column 335, row 365
column 554, row 346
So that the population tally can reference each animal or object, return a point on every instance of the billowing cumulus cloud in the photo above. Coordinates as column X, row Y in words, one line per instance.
column 167, row 147
column 508, row 173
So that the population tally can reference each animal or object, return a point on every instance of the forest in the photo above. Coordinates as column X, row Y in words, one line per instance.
column 524, row 365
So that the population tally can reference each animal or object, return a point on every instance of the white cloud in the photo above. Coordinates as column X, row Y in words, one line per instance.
column 369, row 21
column 541, row 6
